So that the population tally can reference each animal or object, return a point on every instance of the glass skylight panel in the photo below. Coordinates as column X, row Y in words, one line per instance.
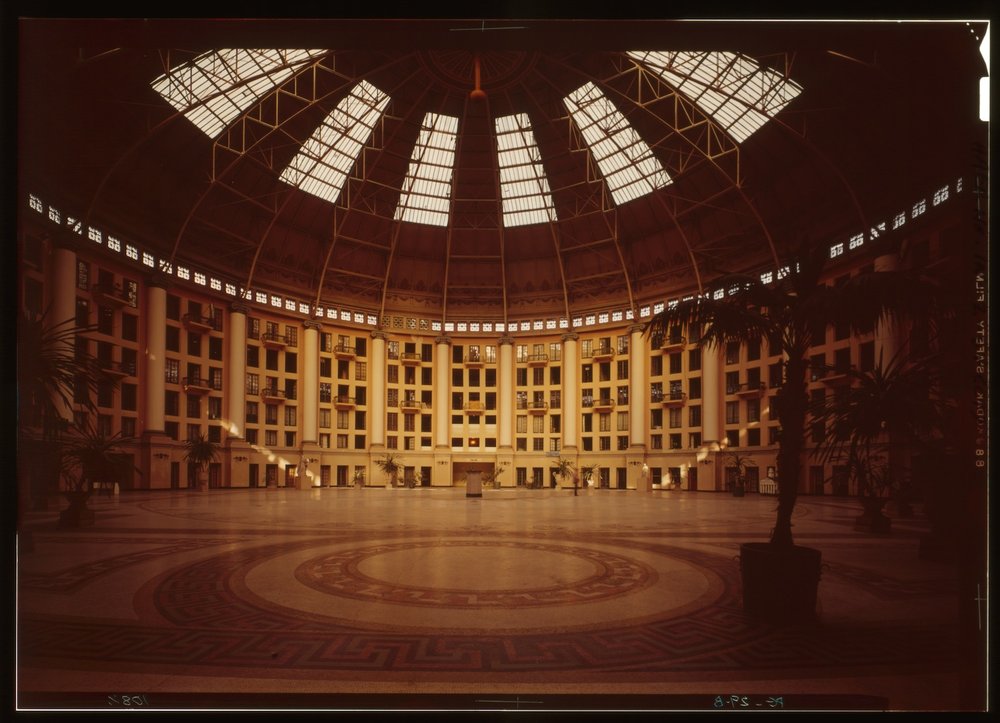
column 216, row 87
column 426, row 193
column 627, row 163
column 740, row 95
column 322, row 164
column 524, row 187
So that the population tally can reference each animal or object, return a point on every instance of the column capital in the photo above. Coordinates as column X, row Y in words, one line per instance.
column 506, row 339
column 442, row 340
column 238, row 307
column 64, row 239
column 637, row 328
column 570, row 336
column 158, row 279
column 379, row 334
column 315, row 325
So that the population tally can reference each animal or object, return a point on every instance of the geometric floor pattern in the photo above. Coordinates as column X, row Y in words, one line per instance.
column 423, row 598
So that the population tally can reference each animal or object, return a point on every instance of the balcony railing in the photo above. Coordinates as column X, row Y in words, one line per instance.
column 344, row 351
column 602, row 353
column 475, row 407
column 199, row 385
column 673, row 343
column 601, row 404
column 342, row 401
column 474, row 360
column 116, row 369
column 749, row 389
column 274, row 340
column 272, row 394
column 839, row 375
column 196, row 322
column 538, row 360
column 671, row 399
column 112, row 294
column 411, row 405
column 411, row 358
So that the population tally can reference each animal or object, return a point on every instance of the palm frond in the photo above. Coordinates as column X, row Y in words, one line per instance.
column 883, row 296
column 50, row 369
column 200, row 450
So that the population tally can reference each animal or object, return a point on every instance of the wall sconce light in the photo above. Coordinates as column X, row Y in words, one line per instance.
column 161, row 455
column 240, row 458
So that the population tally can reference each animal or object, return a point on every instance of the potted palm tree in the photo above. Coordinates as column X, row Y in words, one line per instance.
column 741, row 462
column 563, row 469
column 492, row 477
column 887, row 411
column 780, row 578
column 391, row 466
column 54, row 376
column 201, row 451
column 88, row 458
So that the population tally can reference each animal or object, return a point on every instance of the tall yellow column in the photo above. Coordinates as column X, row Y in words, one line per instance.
column 441, row 476
column 711, row 383
column 377, row 401
column 63, row 306
column 442, row 388
column 570, row 392
column 638, row 388
column 158, row 450
column 638, row 471
column 310, row 383
column 236, row 389
column 887, row 342
column 156, row 350
column 505, row 433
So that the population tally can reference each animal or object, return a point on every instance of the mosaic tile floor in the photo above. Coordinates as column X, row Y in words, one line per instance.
column 423, row 598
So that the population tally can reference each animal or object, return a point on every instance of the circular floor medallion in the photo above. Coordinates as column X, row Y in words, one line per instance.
column 478, row 574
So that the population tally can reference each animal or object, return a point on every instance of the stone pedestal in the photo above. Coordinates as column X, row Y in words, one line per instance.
column 473, row 483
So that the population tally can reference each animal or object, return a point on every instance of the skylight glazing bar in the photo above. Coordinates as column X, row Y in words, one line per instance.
column 216, row 87
column 733, row 89
column 627, row 163
column 524, row 188
column 322, row 164
column 426, row 193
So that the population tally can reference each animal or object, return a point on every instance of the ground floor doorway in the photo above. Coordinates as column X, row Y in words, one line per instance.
column 459, row 470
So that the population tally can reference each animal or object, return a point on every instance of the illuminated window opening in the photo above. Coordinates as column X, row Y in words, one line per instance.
column 216, row 87
column 731, row 88
column 322, row 164
column 627, row 163
column 524, row 187
column 426, row 192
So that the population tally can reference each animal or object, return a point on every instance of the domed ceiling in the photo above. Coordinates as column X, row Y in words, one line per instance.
column 489, row 170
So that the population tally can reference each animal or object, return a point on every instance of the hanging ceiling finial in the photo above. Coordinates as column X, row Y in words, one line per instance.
column 477, row 93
